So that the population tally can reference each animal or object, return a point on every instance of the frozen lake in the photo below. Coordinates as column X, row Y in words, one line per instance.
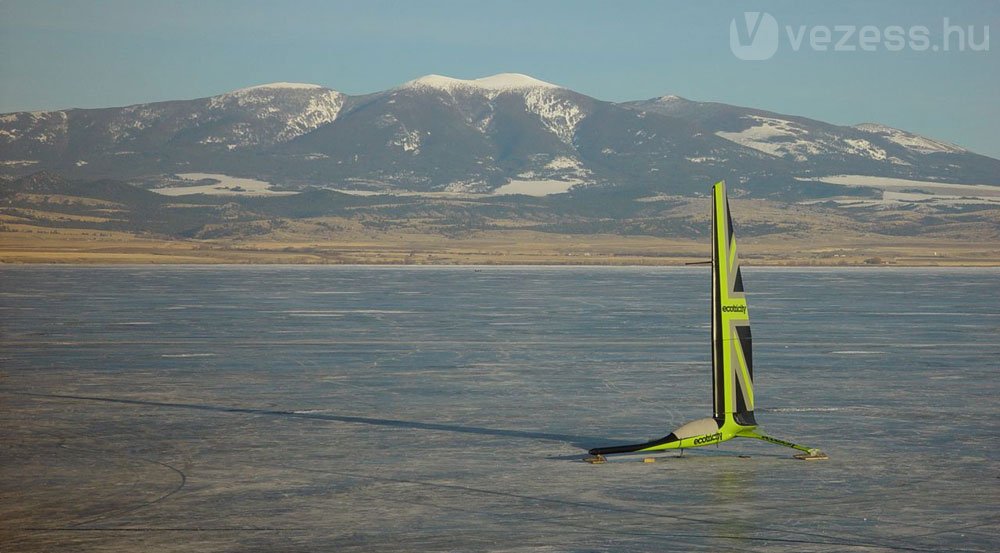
column 447, row 409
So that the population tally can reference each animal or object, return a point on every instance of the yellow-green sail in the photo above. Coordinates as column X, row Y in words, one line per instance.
column 732, row 354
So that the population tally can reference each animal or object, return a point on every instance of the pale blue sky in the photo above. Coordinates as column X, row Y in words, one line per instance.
column 63, row 54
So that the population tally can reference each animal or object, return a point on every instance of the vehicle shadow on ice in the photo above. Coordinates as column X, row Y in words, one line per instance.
column 582, row 442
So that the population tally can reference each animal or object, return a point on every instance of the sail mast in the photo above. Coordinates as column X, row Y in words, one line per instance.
column 718, row 397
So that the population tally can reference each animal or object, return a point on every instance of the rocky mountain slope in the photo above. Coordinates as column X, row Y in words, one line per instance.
column 437, row 133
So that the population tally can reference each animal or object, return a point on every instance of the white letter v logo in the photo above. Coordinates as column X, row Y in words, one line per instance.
column 749, row 33
column 757, row 39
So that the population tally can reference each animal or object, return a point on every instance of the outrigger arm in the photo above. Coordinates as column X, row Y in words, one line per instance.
column 670, row 442
column 809, row 453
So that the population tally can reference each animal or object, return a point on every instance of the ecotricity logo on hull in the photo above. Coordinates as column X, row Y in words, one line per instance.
column 757, row 36
column 717, row 437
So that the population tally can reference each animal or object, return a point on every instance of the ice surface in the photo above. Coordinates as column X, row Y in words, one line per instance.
column 414, row 423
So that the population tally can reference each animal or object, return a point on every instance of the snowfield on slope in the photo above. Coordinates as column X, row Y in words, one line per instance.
column 228, row 186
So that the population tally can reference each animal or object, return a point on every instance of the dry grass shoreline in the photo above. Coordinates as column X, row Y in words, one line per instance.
column 23, row 244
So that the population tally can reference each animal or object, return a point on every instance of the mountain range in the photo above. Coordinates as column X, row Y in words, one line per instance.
column 502, row 169
column 439, row 134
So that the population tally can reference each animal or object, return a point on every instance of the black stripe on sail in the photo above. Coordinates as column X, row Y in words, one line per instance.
column 745, row 418
column 738, row 285
column 740, row 405
column 743, row 332
column 729, row 224
column 718, row 381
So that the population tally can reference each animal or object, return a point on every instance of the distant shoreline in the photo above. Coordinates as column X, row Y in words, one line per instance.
column 25, row 244
column 775, row 264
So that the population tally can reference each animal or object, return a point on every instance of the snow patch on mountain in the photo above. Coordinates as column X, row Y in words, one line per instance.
column 786, row 138
column 269, row 95
column 536, row 187
column 319, row 110
column 910, row 141
column 132, row 120
column 408, row 141
column 559, row 114
column 564, row 162
column 484, row 123
column 774, row 137
column 898, row 183
column 386, row 120
column 222, row 185
column 705, row 159
column 282, row 111
column 790, row 139
column 490, row 86
column 480, row 117
column 558, row 168
column 865, row 148
column 512, row 81
column 470, row 186
column 51, row 130
column 670, row 103
column 283, row 86
column 43, row 127
column 920, row 195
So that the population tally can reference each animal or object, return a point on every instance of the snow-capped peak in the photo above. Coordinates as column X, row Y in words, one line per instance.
column 670, row 99
column 505, row 81
column 502, row 82
column 909, row 140
column 284, row 86
column 280, row 112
